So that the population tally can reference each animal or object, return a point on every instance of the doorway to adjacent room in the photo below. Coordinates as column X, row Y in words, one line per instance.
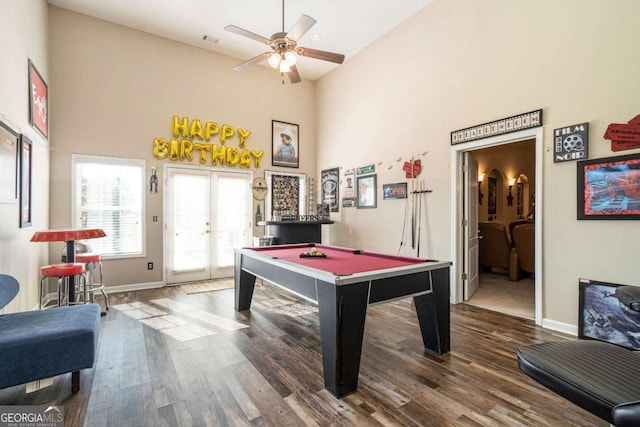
column 466, row 267
column 207, row 214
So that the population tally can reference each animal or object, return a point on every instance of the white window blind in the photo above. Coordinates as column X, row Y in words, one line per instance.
column 108, row 193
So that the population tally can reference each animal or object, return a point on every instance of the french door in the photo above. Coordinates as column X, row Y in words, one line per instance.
column 208, row 214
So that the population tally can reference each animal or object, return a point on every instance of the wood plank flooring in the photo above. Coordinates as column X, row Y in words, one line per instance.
column 263, row 367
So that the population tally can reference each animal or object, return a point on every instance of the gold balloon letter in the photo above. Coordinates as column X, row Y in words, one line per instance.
column 180, row 126
column 174, row 151
column 211, row 129
column 186, row 147
column 244, row 134
column 203, row 148
column 233, row 156
column 160, row 148
column 257, row 155
column 227, row 132
column 245, row 159
column 218, row 154
column 196, row 129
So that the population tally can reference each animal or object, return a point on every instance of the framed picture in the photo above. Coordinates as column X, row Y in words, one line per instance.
column 493, row 196
column 602, row 318
column 520, row 199
column 285, row 144
column 8, row 164
column 38, row 101
column 25, row 181
column 330, row 179
column 285, row 195
column 609, row 188
column 348, row 202
column 367, row 197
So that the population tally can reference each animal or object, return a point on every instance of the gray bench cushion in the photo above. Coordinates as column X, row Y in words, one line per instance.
column 594, row 375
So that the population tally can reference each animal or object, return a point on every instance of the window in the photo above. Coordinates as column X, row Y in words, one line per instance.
column 108, row 193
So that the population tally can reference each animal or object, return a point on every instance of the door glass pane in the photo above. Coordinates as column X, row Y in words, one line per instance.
column 231, row 212
column 190, row 221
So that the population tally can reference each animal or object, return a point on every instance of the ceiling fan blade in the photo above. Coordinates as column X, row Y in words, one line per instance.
column 294, row 76
column 245, row 33
column 302, row 25
column 256, row 59
column 320, row 54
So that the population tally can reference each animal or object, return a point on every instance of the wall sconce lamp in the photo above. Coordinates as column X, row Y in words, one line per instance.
column 512, row 181
column 480, row 195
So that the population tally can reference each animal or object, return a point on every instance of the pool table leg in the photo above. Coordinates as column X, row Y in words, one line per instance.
column 433, row 313
column 342, row 311
column 244, row 283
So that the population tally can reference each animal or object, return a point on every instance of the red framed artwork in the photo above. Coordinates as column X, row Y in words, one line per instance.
column 609, row 188
column 38, row 101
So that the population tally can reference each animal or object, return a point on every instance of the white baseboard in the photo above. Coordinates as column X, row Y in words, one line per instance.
column 560, row 327
column 133, row 287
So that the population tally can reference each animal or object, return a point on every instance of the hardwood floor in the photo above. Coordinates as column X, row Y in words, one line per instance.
column 202, row 364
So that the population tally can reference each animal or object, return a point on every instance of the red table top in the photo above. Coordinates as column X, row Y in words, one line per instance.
column 339, row 261
column 67, row 235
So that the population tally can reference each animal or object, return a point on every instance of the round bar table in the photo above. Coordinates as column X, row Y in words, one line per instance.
column 70, row 237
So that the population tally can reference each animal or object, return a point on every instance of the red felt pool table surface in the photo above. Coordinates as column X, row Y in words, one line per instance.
column 339, row 261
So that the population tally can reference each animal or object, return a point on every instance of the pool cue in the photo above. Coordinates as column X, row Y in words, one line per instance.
column 413, row 205
column 404, row 223
column 419, row 216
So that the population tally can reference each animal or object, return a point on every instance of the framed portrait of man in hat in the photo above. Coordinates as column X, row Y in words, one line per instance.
column 285, row 144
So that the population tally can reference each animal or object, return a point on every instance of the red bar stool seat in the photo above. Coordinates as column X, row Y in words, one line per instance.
column 62, row 272
column 92, row 260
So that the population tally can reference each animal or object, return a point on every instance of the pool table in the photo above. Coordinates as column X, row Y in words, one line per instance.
column 343, row 283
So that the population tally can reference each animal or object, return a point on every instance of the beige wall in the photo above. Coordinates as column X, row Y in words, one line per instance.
column 118, row 88
column 465, row 62
column 23, row 36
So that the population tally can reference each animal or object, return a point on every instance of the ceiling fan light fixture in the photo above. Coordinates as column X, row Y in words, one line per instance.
column 290, row 58
column 274, row 60
column 284, row 67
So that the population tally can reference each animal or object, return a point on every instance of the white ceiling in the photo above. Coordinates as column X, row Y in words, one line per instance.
column 344, row 26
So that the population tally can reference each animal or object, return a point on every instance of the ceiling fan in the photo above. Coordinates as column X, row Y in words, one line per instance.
column 285, row 49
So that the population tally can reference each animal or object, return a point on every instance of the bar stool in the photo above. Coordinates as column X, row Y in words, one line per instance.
column 62, row 272
column 91, row 260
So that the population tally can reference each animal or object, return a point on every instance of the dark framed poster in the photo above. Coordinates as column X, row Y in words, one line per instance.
column 603, row 318
column 609, row 188
column 329, row 180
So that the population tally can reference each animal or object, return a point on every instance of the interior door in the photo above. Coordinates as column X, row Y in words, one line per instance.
column 207, row 216
column 470, row 226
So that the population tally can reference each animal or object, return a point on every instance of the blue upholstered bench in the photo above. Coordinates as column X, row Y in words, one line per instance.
column 45, row 343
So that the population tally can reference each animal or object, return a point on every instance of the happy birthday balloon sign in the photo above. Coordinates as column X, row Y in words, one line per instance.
column 186, row 144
